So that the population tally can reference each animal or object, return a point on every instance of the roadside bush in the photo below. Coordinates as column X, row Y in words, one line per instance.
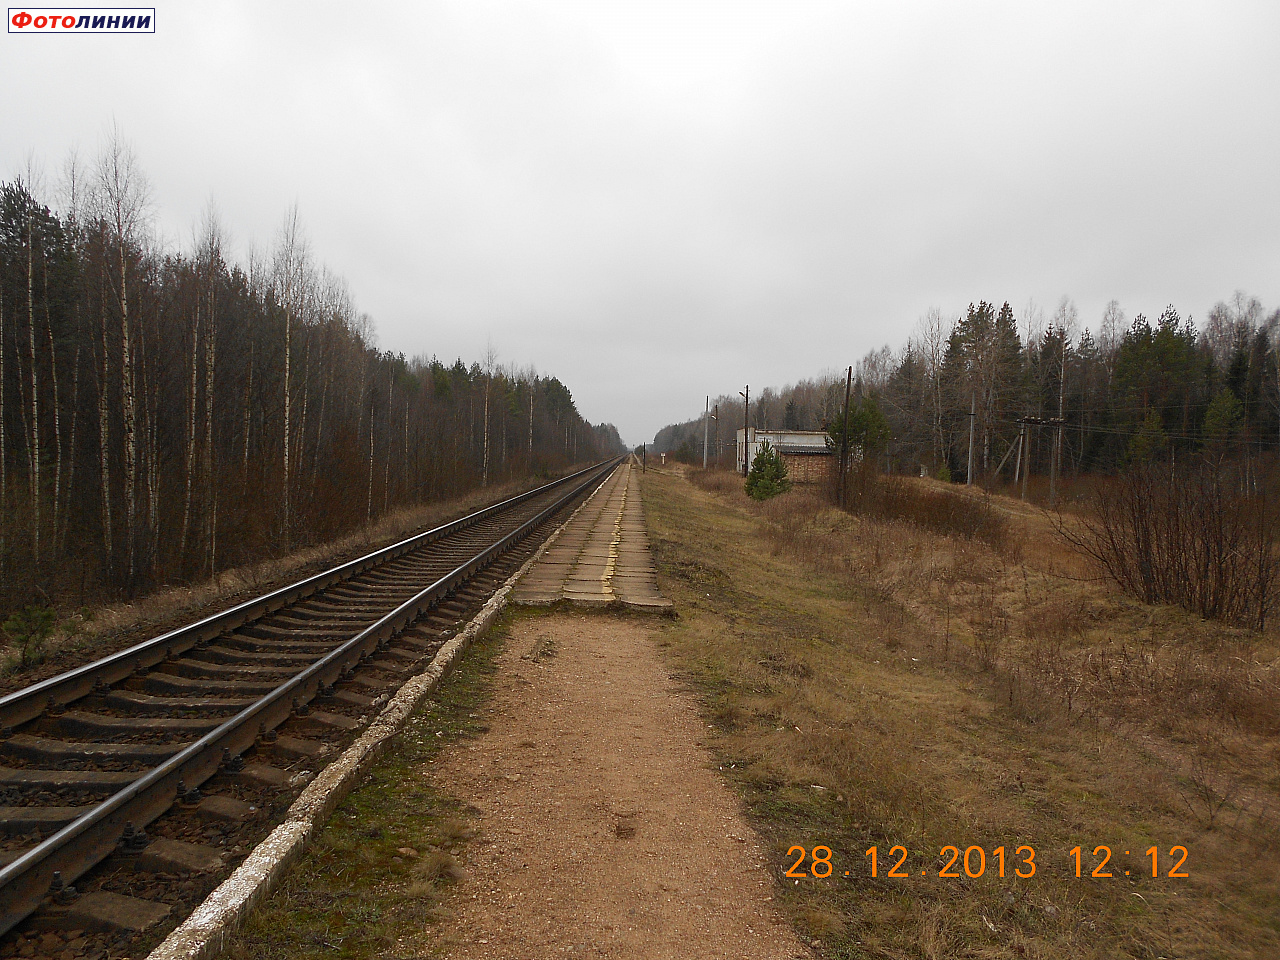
column 768, row 476
column 1196, row 536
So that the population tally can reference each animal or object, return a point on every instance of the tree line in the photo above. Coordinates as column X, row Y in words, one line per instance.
column 1127, row 391
column 165, row 415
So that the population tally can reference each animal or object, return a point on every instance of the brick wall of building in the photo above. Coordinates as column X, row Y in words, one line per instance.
column 809, row 467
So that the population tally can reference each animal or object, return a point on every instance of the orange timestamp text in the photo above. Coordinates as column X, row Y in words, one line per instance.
column 976, row 861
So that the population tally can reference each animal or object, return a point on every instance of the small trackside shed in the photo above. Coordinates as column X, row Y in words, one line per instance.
column 805, row 452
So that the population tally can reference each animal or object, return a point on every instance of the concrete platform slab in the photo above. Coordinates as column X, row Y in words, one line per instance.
column 601, row 557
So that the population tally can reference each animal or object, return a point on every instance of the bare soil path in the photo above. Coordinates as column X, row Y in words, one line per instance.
column 603, row 827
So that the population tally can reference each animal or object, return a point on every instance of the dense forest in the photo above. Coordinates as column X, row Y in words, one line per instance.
column 1132, row 390
column 164, row 415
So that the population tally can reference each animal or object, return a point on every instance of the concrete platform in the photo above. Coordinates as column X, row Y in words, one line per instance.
column 601, row 558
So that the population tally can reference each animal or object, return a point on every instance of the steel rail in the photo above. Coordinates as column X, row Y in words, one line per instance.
column 28, row 703
column 81, row 844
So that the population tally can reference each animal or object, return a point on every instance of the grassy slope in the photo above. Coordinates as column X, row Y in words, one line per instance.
column 905, row 674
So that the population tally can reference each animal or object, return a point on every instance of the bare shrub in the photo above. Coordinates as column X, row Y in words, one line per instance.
column 1212, row 783
column 1194, row 536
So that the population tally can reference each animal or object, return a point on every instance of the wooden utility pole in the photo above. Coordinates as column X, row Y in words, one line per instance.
column 1026, row 468
column 1053, row 453
column 1022, row 444
column 844, row 440
column 746, row 430
column 1003, row 460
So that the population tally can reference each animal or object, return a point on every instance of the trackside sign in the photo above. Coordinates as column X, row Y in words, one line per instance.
column 82, row 20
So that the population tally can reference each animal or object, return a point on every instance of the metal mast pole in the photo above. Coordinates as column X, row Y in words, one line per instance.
column 706, row 431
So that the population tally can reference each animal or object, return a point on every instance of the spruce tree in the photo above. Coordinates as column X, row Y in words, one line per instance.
column 768, row 476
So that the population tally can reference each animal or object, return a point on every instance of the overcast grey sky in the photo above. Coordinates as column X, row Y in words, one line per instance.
column 658, row 200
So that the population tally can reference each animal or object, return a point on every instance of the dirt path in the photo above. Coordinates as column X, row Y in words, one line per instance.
column 603, row 829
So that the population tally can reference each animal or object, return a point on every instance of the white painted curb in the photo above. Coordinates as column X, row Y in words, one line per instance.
column 203, row 935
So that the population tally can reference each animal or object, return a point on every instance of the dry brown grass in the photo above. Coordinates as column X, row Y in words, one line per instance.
column 945, row 690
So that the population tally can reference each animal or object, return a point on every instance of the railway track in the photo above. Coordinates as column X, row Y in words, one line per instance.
column 152, row 770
